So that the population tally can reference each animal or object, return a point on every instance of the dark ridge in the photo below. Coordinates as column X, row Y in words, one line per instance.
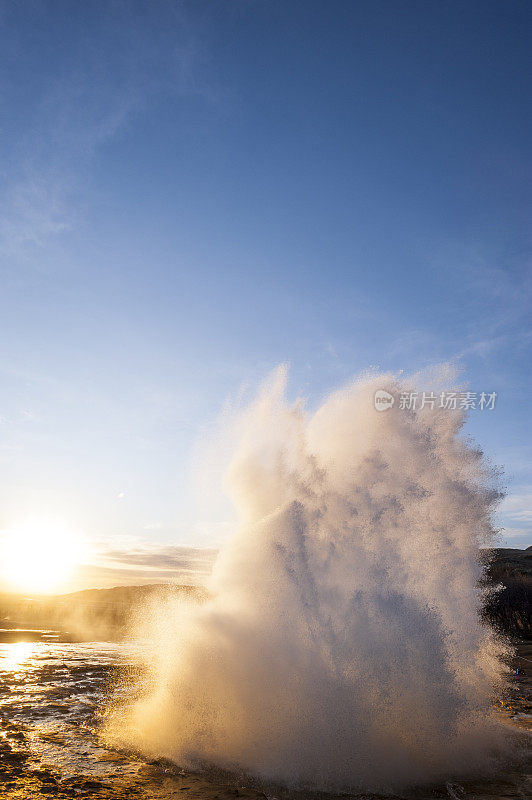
column 509, row 605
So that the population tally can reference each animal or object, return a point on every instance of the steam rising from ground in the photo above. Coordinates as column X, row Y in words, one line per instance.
column 341, row 645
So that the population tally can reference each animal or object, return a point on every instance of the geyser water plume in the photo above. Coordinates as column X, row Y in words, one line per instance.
column 341, row 644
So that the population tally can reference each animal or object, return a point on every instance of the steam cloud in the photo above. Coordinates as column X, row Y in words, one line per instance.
column 341, row 645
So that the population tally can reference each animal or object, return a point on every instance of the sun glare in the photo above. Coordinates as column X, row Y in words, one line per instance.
column 38, row 556
column 14, row 655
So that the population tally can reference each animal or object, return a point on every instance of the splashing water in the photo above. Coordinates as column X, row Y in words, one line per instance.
column 341, row 644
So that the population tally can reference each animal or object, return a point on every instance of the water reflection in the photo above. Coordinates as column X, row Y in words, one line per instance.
column 14, row 656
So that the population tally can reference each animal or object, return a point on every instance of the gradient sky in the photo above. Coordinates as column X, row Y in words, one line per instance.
column 194, row 192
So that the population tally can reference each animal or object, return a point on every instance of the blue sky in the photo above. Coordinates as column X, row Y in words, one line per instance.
column 192, row 193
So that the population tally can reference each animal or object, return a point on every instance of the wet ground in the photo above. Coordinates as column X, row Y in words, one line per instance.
column 50, row 696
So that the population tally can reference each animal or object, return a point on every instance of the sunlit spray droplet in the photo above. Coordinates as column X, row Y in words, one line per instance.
column 341, row 645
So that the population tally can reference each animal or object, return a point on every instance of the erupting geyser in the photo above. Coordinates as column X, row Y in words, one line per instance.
column 341, row 645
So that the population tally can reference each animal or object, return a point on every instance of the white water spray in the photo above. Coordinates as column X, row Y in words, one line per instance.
column 341, row 645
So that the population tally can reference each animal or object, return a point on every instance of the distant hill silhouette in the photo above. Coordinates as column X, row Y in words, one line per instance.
column 89, row 615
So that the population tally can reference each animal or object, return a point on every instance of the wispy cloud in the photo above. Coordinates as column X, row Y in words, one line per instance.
column 517, row 506
column 515, row 517
column 499, row 288
column 143, row 562
column 518, row 536
column 84, row 99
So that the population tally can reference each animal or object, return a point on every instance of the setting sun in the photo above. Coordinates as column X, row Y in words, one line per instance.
column 38, row 556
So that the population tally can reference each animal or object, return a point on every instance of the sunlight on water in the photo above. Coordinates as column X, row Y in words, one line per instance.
column 15, row 656
column 51, row 698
